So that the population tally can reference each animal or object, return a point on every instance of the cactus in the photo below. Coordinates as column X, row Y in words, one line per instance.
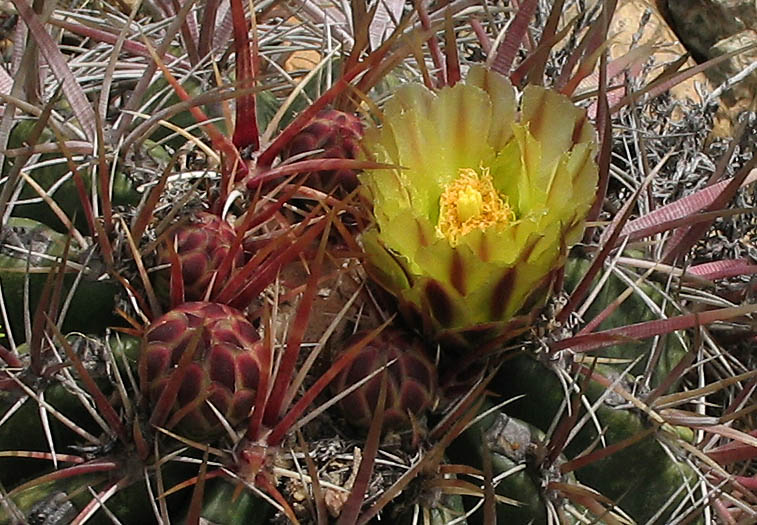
column 52, row 174
column 469, row 230
column 26, row 241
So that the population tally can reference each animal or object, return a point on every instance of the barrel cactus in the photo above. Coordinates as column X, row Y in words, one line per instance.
column 471, row 230
column 474, row 192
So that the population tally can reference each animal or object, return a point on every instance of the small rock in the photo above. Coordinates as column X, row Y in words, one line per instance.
column 640, row 23
column 700, row 24
column 740, row 95
column 712, row 28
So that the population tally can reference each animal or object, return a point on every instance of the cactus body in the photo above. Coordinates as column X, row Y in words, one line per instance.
column 93, row 301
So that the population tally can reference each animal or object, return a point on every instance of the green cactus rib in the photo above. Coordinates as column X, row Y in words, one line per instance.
column 162, row 98
column 446, row 509
column 61, row 500
column 633, row 310
column 23, row 430
column 50, row 502
column 505, row 440
column 640, row 478
column 66, row 195
column 65, row 498
column 93, row 303
column 220, row 505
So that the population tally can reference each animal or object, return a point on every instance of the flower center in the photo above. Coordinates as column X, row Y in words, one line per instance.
column 471, row 202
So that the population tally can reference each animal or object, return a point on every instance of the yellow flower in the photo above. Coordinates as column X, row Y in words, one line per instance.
column 471, row 231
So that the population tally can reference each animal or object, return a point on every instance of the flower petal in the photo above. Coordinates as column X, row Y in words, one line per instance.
column 502, row 96
column 460, row 115
column 553, row 121
column 506, row 170
column 382, row 265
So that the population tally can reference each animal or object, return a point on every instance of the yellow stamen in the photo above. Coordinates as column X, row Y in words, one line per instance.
column 471, row 202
